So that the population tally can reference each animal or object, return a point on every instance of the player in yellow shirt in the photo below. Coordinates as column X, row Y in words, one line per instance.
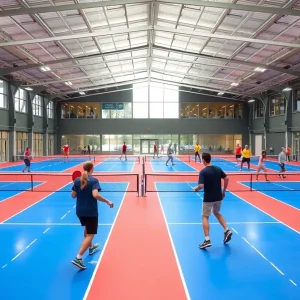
column 246, row 153
column 197, row 149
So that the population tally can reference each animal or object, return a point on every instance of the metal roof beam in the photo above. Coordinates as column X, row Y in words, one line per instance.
column 77, row 36
column 224, row 37
column 242, row 7
column 67, row 7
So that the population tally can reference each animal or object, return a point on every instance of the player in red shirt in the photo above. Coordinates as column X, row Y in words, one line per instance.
column 155, row 151
column 238, row 153
column 65, row 149
column 27, row 157
column 124, row 148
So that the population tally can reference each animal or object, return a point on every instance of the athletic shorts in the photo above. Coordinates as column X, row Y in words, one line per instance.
column 27, row 162
column 90, row 223
column 197, row 154
column 238, row 156
column 282, row 167
column 247, row 160
column 207, row 207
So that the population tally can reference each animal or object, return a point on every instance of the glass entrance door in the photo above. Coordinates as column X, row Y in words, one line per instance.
column 147, row 146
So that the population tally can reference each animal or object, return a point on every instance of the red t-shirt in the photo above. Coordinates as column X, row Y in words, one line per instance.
column 66, row 149
column 238, row 150
column 154, row 147
column 124, row 148
column 27, row 154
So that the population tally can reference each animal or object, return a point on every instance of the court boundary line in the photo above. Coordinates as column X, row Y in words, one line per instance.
column 270, row 196
column 21, row 192
column 173, row 248
column 263, row 256
column 48, row 224
column 104, row 248
column 217, row 223
column 34, row 203
column 265, row 212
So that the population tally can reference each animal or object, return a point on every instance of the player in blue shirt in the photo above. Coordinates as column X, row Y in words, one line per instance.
column 86, row 189
column 210, row 178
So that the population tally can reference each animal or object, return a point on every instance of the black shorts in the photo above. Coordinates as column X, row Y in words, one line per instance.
column 282, row 166
column 238, row 156
column 197, row 154
column 90, row 223
column 27, row 162
column 247, row 160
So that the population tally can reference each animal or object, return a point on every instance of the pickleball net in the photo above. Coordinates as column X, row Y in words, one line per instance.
column 238, row 182
column 15, row 183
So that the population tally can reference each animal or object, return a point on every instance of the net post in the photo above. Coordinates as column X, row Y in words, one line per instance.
column 250, row 182
column 138, row 183
column 31, row 179
column 145, row 184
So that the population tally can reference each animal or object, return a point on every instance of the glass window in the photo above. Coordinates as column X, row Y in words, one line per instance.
column 80, row 110
column 21, row 143
column 156, row 93
column 193, row 110
column 277, row 105
column 216, row 110
column 79, row 143
column 171, row 93
column 37, row 144
column 140, row 92
column 3, row 94
column 114, row 142
column 37, row 106
column 140, row 110
column 297, row 100
column 21, row 101
column 258, row 110
column 3, row 146
column 50, row 110
column 156, row 110
column 117, row 110
column 171, row 110
column 184, row 110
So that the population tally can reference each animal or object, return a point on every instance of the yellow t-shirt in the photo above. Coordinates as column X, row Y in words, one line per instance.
column 246, row 153
column 197, row 148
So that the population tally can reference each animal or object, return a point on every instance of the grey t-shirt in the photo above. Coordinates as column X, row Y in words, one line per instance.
column 282, row 157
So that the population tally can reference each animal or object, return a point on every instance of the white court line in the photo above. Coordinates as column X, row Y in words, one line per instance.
column 265, row 212
column 63, row 216
column 262, row 193
column 50, row 224
column 34, row 204
column 282, row 186
column 174, row 249
column 104, row 247
column 216, row 223
column 21, row 192
column 24, row 250
column 46, row 230
column 293, row 282
column 264, row 257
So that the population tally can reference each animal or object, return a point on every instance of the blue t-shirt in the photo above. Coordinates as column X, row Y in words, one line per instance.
column 211, row 177
column 86, row 205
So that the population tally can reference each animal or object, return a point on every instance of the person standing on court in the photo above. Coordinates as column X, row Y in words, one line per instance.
column 27, row 157
column 170, row 154
column 86, row 189
column 197, row 149
column 155, row 151
column 246, row 153
column 282, row 160
column 238, row 153
column 124, row 148
column 210, row 178
column 66, row 149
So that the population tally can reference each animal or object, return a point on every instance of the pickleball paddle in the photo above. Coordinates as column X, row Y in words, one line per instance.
column 75, row 175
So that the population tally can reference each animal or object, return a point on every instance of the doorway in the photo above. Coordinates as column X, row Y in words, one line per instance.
column 258, row 144
column 297, row 149
column 147, row 146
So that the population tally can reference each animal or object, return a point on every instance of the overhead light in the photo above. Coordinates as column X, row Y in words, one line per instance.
column 235, row 84
column 287, row 89
column 258, row 69
column 82, row 93
column 69, row 83
column 220, row 93
column 45, row 69
column 251, row 100
column 28, row 89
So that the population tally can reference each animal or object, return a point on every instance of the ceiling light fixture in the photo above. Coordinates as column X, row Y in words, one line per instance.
column 82, row 93
column 69, row 83
column 45, row 69
column 220, row 93
column 258, row 69
column 28, row 89
column 287, row 89
column 235, row 84
column 251, row 100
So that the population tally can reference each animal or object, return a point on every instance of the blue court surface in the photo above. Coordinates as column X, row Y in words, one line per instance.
column 114, row 164
column 254, row 264
column 44, row 166
column 41, row 242
column 159, row 165
column 11, row 188
column 275, row 166
column 285, row 191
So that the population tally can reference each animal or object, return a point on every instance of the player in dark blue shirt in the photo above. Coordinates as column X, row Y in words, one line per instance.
column 86, row 189
column 210, row 178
